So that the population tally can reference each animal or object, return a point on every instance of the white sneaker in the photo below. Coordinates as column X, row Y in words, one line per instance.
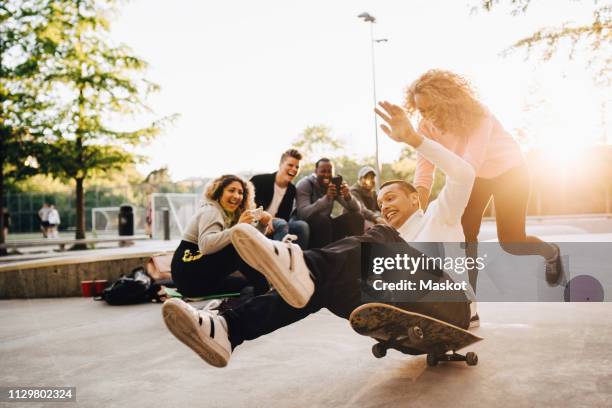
column 281, row 263
column 201, row 330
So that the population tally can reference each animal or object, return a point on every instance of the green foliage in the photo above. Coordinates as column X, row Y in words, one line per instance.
column 593, row 38
column 316, row 142
column 25, row 47
column 94, row 82
column 89, row 84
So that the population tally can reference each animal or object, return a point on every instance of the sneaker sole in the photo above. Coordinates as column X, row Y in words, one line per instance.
column 251, row 250
column 181, row 324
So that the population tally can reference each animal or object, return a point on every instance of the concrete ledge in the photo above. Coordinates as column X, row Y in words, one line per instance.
column 61, row 277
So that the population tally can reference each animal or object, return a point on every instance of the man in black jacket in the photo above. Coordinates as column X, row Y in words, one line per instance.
column 275, row 192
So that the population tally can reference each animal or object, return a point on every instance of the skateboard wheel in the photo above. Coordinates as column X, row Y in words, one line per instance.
column 415, row 334
column 378, row 350
column 471, row 358
column 432, row 360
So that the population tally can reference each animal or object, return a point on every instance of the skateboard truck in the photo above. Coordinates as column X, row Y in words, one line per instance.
column 470, row 358
column 415, row 335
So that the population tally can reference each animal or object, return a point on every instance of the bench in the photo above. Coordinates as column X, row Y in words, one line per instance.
column 122, row 240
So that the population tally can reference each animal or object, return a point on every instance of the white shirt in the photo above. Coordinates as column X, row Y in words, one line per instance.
column 442, row 220
column 54, row 217
column 43, row 213
column 279, row 193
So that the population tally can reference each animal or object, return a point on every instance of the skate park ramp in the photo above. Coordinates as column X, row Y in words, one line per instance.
column 544, row 354
column 533, row 354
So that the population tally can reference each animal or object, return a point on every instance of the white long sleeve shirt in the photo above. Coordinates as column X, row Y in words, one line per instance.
column 442, row 220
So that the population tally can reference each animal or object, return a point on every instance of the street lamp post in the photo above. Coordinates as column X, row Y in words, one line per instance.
column 371, row 19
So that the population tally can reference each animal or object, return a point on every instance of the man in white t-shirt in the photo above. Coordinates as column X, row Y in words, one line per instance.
column 43, row 214
column 54, row 222
column 275, row 192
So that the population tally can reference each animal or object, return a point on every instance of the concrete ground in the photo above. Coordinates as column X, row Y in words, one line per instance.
column 544, row 354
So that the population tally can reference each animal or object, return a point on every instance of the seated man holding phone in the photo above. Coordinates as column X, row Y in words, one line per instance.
column 316, row 195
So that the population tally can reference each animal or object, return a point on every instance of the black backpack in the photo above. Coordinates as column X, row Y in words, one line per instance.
column 137, row 287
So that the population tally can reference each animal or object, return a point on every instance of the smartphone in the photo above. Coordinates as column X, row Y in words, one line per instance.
column 337, row 181
column 256, row 215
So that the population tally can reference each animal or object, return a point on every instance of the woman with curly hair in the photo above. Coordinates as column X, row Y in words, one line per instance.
column 452, row 115
column 205, row 261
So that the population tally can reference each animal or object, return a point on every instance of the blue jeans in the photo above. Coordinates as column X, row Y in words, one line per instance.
column 296, row 227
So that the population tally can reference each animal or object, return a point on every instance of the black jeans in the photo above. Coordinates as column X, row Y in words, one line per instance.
column 510, row 192
column 337, row 272
column 325, row 229
column 198, row 275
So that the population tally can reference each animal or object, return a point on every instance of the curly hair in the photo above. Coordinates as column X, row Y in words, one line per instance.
column 454, row 107
column 214, row 192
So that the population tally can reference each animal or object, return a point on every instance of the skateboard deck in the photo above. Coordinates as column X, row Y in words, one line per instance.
column 412, row 333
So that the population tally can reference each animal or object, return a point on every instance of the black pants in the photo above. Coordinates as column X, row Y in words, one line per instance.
column 200, row 275
column 337, row 273
column 325, row 229
column 510, row 192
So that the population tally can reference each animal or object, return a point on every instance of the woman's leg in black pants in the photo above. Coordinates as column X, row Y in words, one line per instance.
column 472, row 219
column 511, row 196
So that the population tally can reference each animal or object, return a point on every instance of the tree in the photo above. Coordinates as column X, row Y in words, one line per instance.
column 595, row 38
column 316, row 141
column 94, row 83
column 27, row 41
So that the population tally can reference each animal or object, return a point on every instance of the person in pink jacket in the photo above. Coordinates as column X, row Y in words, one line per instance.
column 452, row 116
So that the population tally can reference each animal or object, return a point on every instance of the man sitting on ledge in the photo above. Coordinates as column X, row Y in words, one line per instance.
column 316, row 195
column 307, row 281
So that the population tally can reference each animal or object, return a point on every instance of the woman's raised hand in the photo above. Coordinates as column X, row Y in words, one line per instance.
column 398, row 126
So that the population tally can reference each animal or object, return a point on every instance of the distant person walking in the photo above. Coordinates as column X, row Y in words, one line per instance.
column 7, row 222
column 54, row 222
column 43, row 214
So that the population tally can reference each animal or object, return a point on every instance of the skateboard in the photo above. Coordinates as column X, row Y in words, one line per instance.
column 412, row 333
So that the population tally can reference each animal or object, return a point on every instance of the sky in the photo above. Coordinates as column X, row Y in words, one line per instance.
column 247, row 77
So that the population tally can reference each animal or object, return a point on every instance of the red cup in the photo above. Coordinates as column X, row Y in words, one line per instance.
column 88, row 288
column 99, row 286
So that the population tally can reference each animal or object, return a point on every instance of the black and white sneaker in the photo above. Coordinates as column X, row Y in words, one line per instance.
column 204, row 331
column 282, row 263
column 555, row 271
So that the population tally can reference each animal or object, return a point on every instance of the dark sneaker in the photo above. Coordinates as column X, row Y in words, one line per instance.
column 474, row 321
column 555, row 271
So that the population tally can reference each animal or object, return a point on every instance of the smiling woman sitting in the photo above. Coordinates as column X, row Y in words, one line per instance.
column 205, row 261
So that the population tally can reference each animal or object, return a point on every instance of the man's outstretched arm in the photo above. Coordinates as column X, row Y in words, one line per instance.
column 460, row 176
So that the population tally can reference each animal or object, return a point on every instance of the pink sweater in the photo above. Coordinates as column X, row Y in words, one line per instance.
column 491, row 150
